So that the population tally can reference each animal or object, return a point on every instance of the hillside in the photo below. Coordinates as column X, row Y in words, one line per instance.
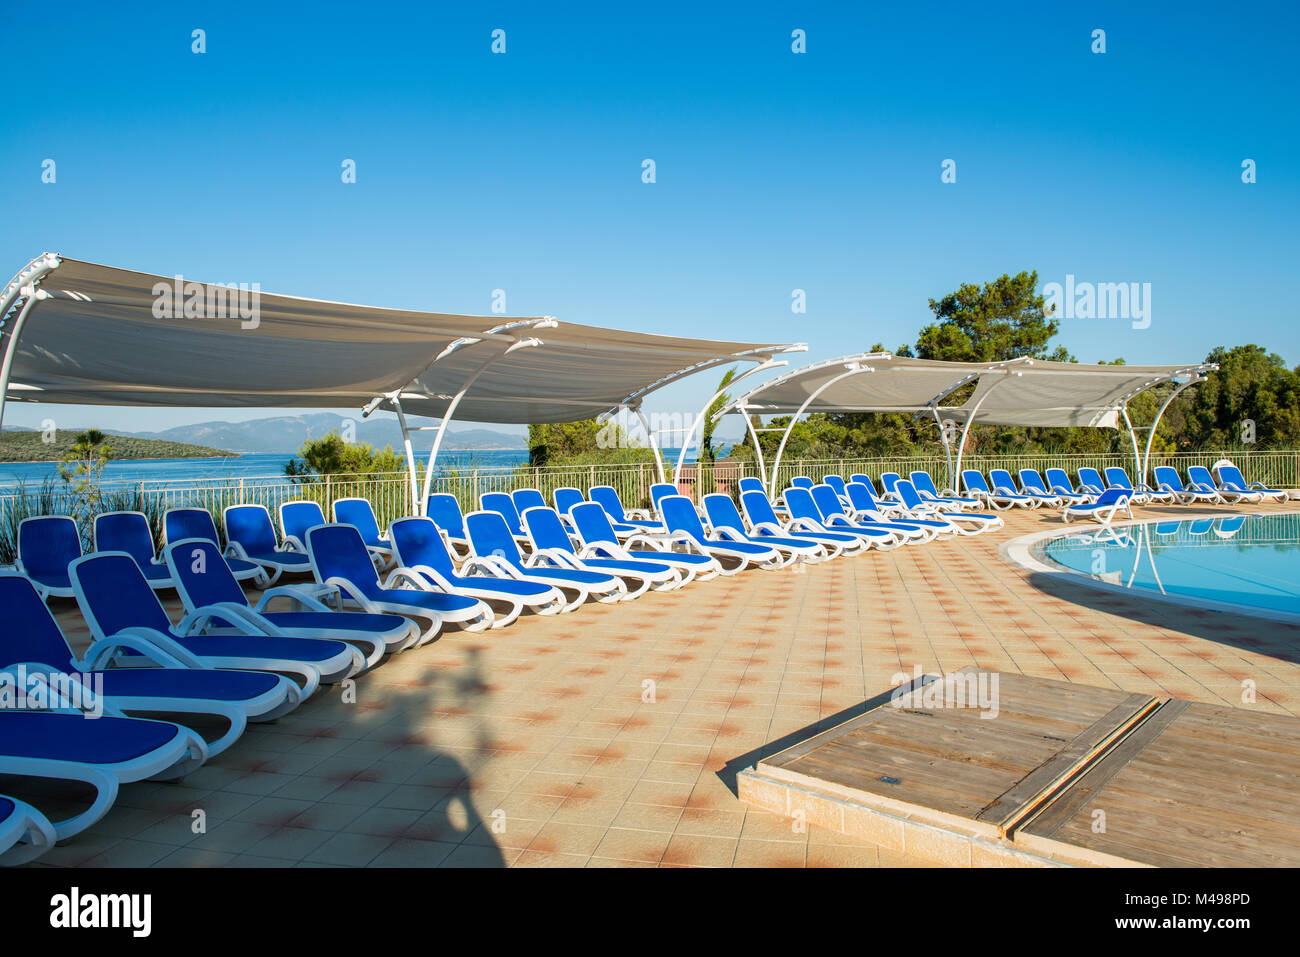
column 286, row 433
column 26, row 446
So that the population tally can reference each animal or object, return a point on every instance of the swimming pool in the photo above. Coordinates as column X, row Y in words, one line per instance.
column 1248, row 561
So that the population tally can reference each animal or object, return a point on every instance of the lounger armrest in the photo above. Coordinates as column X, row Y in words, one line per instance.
column 604, row 550
column 240, row 617
column 551, row 557
column 305, row 596
column 153, row 645
column 489, row 565
column 404, row 574
column 292, row 543
column 347, row 589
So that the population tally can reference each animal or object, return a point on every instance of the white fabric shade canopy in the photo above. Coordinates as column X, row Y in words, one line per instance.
column 1036, row 392
column 868, row 382
column 92, row 337
column 1021, row 391
column 81, row 333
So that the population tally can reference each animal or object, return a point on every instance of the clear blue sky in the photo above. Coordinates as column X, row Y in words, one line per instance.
column 775, row 171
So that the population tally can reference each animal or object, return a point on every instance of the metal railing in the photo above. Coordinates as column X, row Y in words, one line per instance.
column 390, row 494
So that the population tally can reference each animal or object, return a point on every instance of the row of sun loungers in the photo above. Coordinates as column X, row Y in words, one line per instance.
column 373, row 593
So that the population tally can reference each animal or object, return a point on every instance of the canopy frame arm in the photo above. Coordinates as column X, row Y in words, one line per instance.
column 24, row 285
column 1151, row 435
column 1007, row 375
column 450, row 414
column 851, row 369
column 769, row 363
column 654, row 443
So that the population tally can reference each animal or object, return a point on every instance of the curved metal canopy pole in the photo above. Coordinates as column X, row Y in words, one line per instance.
column 758, row 449
column 1132, row 434
column 22, row 285
column 451, row 412
column 780, row 449
column 654, row 444
column 947, row 446
column 1151, row 436
column 699, row 419
column 395, row 401
column 970, row 420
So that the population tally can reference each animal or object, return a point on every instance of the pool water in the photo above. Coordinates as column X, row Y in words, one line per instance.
column 1251, row 561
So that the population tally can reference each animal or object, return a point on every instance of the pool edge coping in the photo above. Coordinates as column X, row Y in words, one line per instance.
column 1017, row 552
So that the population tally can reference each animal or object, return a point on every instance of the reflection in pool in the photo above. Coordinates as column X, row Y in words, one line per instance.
column 1247, row 560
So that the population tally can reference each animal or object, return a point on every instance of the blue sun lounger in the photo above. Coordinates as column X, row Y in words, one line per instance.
column 596, row 532
column 1117, row 477
column 339, row 558
column 567, row 499
column 250, row 535
column 606, row 496
column 803, row 509
column 123, row 612
column 551, row 539
column 1231, row 479
column 130, row 532
column 1200, row 479
column 1004, row 484
column 296, row 518
column 25, row 833
column 526, row 498
column 47, row 545
column 865, row 506
column 1058, row 481
column 104, row 753
column 974, row 483
column 924, row 485
column 444, row 509
column 966, row 523
column 1103, row 509
column 659, row 491
column 763, row 518
column 495, row 552
column 726, row 524
column 801, row 481
column 834, row 516
column 1167, row 480
column 1032, row 483
column 504, row 505
column 420, row 547
column 887, row 502
column 180, row 524
column 207, row 586
column 685, row 527
column 360, row 514
column 1090, row 481
column 32, row 638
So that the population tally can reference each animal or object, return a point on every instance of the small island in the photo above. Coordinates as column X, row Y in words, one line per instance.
column 29, row 446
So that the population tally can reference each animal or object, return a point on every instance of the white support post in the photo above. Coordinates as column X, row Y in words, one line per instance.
column 1132, row 434
column 758, row 449
column 699, row 419
column 851, row 370
column 1146, row 458
column 947, row 446
column 451, row 412
column 417, row 506
column 970, row 420
column 654, row 444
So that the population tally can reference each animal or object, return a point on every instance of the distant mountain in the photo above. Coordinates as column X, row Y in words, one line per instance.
column 285, row 434
column 28, row 445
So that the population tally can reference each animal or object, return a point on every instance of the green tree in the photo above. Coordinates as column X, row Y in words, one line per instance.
column 708, row 452
column 586, row 442
column 331, row 455
column 1000, row 320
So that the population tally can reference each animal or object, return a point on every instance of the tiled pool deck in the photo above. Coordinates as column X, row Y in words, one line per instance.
column 538, row 745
